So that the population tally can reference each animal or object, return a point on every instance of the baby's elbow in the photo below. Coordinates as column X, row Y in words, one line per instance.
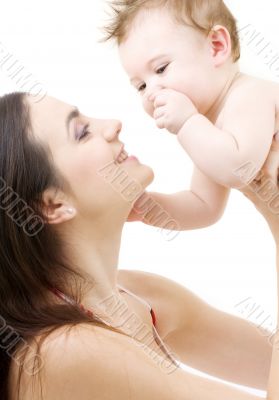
column 211, row 217
column 214, row 216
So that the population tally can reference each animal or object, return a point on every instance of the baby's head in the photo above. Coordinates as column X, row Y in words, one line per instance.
column 190, row 46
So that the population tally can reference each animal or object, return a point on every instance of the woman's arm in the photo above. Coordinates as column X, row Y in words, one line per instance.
column 264, row 190
column 264, row 193
column 273, row 382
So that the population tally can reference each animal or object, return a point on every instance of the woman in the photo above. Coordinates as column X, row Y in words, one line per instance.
column 263, row 192
column 69, row 318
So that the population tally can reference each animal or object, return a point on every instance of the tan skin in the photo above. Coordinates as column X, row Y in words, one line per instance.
column 93, row 362
column 261, row 193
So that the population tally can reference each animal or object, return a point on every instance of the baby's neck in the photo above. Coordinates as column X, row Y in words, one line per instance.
column 230, row 79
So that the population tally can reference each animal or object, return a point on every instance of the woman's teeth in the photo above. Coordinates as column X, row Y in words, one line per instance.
column 122, row 156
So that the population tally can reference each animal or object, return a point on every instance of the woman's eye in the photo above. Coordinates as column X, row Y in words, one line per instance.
column 84, row 133
column 162, row 69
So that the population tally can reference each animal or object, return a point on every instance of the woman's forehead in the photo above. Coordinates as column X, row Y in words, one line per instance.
column 48, row 117
column 48, row 103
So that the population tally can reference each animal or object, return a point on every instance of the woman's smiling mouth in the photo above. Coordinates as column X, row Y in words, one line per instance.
column 122, row 156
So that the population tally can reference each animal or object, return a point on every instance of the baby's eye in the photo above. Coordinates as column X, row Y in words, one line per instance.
column 141, row 87
column 162, row 69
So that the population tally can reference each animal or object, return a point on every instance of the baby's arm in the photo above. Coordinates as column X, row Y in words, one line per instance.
column 201, row 206
column 245, row 137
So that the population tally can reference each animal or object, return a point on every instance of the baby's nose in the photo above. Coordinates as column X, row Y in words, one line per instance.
column 151, row 97
column 152, row 93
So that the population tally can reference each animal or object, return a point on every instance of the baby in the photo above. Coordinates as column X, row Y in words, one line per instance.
column 182, row 57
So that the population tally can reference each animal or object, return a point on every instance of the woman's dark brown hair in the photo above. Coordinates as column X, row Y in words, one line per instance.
column 31, row 256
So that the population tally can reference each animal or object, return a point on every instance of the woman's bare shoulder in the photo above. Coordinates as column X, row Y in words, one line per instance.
column 89, row 361
column 59, row 351
column 172, row 302
column 157, row 289
column 143, row 281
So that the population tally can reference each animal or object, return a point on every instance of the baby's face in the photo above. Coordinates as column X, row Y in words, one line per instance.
column 159, row 54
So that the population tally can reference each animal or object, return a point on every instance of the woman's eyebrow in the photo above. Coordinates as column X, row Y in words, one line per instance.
column 73, row 114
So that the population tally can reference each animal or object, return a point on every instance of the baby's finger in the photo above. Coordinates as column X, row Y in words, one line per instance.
column 155, row 94
column 260, row 193
column 159, row 101
column 275, row 142
column 271, row 165
column 158, row 112
column 160, row 123
column 270, row 170
column 259, row 176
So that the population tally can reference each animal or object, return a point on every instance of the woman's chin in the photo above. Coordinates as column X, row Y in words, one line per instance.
column 148, row 176
column 141, row 173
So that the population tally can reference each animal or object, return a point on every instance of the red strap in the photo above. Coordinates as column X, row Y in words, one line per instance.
column 153, row 317
column 61, row 296
column 88, row 312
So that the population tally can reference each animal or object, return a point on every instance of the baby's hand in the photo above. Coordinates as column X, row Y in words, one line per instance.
column 172, row 109
column 136, row 214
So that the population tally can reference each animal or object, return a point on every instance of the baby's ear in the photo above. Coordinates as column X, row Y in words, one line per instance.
column 220, row 44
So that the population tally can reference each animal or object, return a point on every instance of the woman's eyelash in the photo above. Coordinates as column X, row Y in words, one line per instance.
column 84, row 132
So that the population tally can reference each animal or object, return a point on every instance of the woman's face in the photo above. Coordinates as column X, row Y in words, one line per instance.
column 85, row 151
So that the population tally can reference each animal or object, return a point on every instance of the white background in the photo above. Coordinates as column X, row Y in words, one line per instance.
column 57, row 42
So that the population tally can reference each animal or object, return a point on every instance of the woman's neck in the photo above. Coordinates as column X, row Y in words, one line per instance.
column 94, row 253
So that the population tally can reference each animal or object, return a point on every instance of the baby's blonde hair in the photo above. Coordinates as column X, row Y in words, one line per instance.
column 201, row 14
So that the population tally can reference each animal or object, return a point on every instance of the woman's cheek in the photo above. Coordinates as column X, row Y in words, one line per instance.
column 83, row 169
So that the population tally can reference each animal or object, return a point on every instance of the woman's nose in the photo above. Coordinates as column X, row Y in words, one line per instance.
column 112, row 129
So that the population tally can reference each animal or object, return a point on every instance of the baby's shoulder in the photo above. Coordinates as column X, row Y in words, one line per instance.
column 248, row 89
column 251, row 84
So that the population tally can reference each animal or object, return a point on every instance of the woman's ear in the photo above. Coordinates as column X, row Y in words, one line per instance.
column 220, row 44
column 55, row 208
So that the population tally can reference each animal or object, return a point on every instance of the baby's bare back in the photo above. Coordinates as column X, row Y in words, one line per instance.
column 249, row 113
column 269, row 89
